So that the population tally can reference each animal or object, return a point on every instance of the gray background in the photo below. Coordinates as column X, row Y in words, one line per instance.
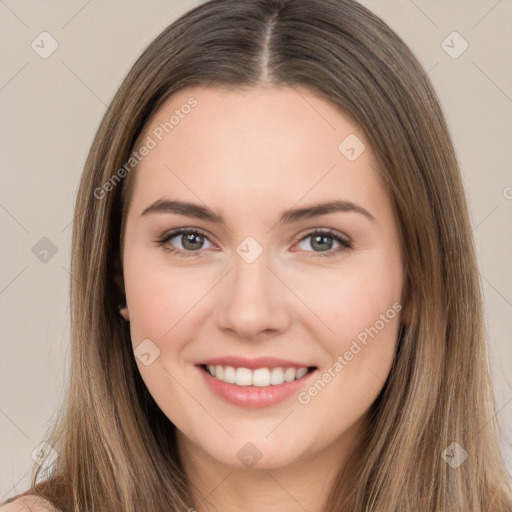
column 51, row 109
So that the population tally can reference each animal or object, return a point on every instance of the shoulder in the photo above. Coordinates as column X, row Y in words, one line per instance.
column 28, row 504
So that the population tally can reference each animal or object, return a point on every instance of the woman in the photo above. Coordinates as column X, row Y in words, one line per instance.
column 275, row 298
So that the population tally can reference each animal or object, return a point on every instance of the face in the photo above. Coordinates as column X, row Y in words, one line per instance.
column 231, row 268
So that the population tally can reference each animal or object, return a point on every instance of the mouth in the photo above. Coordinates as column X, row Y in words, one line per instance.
column 259, row 377
column 255, row 383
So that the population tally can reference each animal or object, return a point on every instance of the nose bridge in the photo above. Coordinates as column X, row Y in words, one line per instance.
column 251, row 279
column 252, row 276
column 254, row 298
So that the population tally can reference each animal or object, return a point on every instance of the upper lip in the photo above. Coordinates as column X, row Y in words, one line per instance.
column 253, row 363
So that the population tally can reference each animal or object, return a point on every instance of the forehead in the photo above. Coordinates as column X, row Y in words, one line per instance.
column 259, row 143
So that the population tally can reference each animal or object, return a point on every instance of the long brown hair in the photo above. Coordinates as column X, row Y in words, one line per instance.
column 116, row 449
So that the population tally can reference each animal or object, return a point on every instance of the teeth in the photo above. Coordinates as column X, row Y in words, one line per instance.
column 262, row 377
column 301, row 372
column 229, row 375
column 243, row 377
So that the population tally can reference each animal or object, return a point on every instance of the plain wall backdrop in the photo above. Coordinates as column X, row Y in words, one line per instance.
column 52, row 104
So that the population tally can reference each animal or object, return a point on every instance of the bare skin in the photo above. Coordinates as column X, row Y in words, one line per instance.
column 249, row 156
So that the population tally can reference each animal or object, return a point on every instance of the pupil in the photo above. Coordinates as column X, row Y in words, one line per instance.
column 194, row 239
column 322, row 240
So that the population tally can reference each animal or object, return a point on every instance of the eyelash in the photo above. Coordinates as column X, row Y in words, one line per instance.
column 345, row 244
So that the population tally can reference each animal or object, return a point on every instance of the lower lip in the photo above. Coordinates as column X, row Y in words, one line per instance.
column 254, row 397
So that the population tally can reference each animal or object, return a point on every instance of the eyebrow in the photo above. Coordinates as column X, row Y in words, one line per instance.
column 288, row 217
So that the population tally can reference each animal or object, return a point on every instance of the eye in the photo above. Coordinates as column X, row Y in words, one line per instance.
column 191, row 241
column 320, row 239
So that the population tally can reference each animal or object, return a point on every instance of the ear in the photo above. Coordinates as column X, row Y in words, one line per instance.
column 124, row 313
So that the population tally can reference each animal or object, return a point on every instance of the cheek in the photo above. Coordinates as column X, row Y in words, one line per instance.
column 363, row 310
column 159, row 299
column 161, row 310
column 347, row 303
column 359, row 308
column 150, row 305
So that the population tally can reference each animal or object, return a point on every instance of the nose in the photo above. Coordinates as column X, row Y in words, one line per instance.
column 254, row 301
